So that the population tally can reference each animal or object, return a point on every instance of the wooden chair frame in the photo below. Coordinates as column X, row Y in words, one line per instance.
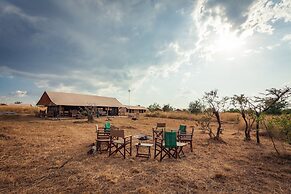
column 187, row 138
column 158, row 134
column 102, row 138
column 119, row 143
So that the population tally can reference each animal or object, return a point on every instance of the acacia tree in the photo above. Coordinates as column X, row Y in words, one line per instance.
column 204, row 123
column 262, row 104
column 89, row 112
column 195, row 107
column 242, row 103
column 216, row 105
column 167, row 108
column 154, row 107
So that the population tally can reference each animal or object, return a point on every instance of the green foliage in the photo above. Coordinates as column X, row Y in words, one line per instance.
column 195, row 107
column 286, row 111
column 234, row 110
column 277, row 108
column 167, row 108
column 154, row 107
column 283, row 125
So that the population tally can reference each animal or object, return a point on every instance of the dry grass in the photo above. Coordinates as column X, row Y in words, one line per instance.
column 19, row 109
column 44, row 156
column 225, row 117
column 175, row 115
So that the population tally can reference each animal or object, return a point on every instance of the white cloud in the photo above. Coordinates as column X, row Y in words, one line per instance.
column 287, row 38
column 12, row 9
column 263, row 14
column 20, row 93
column 218, row 34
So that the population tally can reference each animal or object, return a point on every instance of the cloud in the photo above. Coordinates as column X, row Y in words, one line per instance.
column 287, row 38
column 232, row 22
column 262, row 15
column 86, row 45
column 20, row 93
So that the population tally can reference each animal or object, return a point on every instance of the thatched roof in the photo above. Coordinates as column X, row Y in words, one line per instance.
column 70, row 99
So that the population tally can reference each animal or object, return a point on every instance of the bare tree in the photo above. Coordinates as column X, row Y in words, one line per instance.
column 204, row 123
column 216, row 105
column 262, row 104
column 242, row 103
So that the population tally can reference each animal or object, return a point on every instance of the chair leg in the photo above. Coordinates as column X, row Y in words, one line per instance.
column 155, row 147
column 124, row 152
column 109, row 148
column 191, row 146
column 130, row 147
column 149, row 152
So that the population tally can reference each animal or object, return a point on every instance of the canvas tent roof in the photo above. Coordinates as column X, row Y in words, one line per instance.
column 136, row 107
column 70, row 99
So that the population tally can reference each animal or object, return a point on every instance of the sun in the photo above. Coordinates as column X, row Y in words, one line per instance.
column 228, row 42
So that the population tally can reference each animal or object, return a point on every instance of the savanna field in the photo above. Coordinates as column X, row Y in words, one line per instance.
column 45, row 156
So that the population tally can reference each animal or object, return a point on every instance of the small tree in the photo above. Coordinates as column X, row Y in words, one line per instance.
column 204, row 123
column 89, row 112
column 280, row 127
column 262, row 104
column 242, row 103
column 167, row 108
column 17, row 102
column 154, row 107
column 195, row 107
column 216, row 105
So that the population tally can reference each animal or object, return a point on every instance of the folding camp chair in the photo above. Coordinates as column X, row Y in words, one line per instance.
column 159, row 130
column 120, row 143
column 107, row 127
column 168, row 145
column 158, row 134
column 185, row 137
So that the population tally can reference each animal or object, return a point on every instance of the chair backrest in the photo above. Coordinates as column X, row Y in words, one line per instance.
column 182, row 129
column 170, row 139
column 161, row 125
column 158, row 133
column 117, row 133
column 102, row 134
column 107, row 126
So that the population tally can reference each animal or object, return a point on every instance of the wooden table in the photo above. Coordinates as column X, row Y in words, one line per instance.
column 180, row 146
column 143, row 154
column 142, row 144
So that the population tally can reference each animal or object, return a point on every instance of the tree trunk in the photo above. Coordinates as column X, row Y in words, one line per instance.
column 216, row 113
column 90, row 118
column 257, row 132
column 247, row 131
column 257, row 127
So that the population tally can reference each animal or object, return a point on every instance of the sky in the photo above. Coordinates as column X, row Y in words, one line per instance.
column 169, row 52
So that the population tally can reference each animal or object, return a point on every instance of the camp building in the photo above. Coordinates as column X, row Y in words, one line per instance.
column 68, row 104
column 135, row 109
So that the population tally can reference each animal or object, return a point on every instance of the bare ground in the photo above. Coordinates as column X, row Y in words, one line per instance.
column 41, row 156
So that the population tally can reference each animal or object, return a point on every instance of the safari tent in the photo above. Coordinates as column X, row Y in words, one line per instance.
column 67, row 104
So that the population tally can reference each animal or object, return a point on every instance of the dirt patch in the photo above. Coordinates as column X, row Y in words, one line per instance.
column 4, row 137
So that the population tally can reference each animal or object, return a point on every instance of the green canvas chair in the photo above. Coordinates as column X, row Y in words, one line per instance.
column 182, row 129
column 168, row 145
column 107, row 127
column 170, row 140
column 186, row 137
